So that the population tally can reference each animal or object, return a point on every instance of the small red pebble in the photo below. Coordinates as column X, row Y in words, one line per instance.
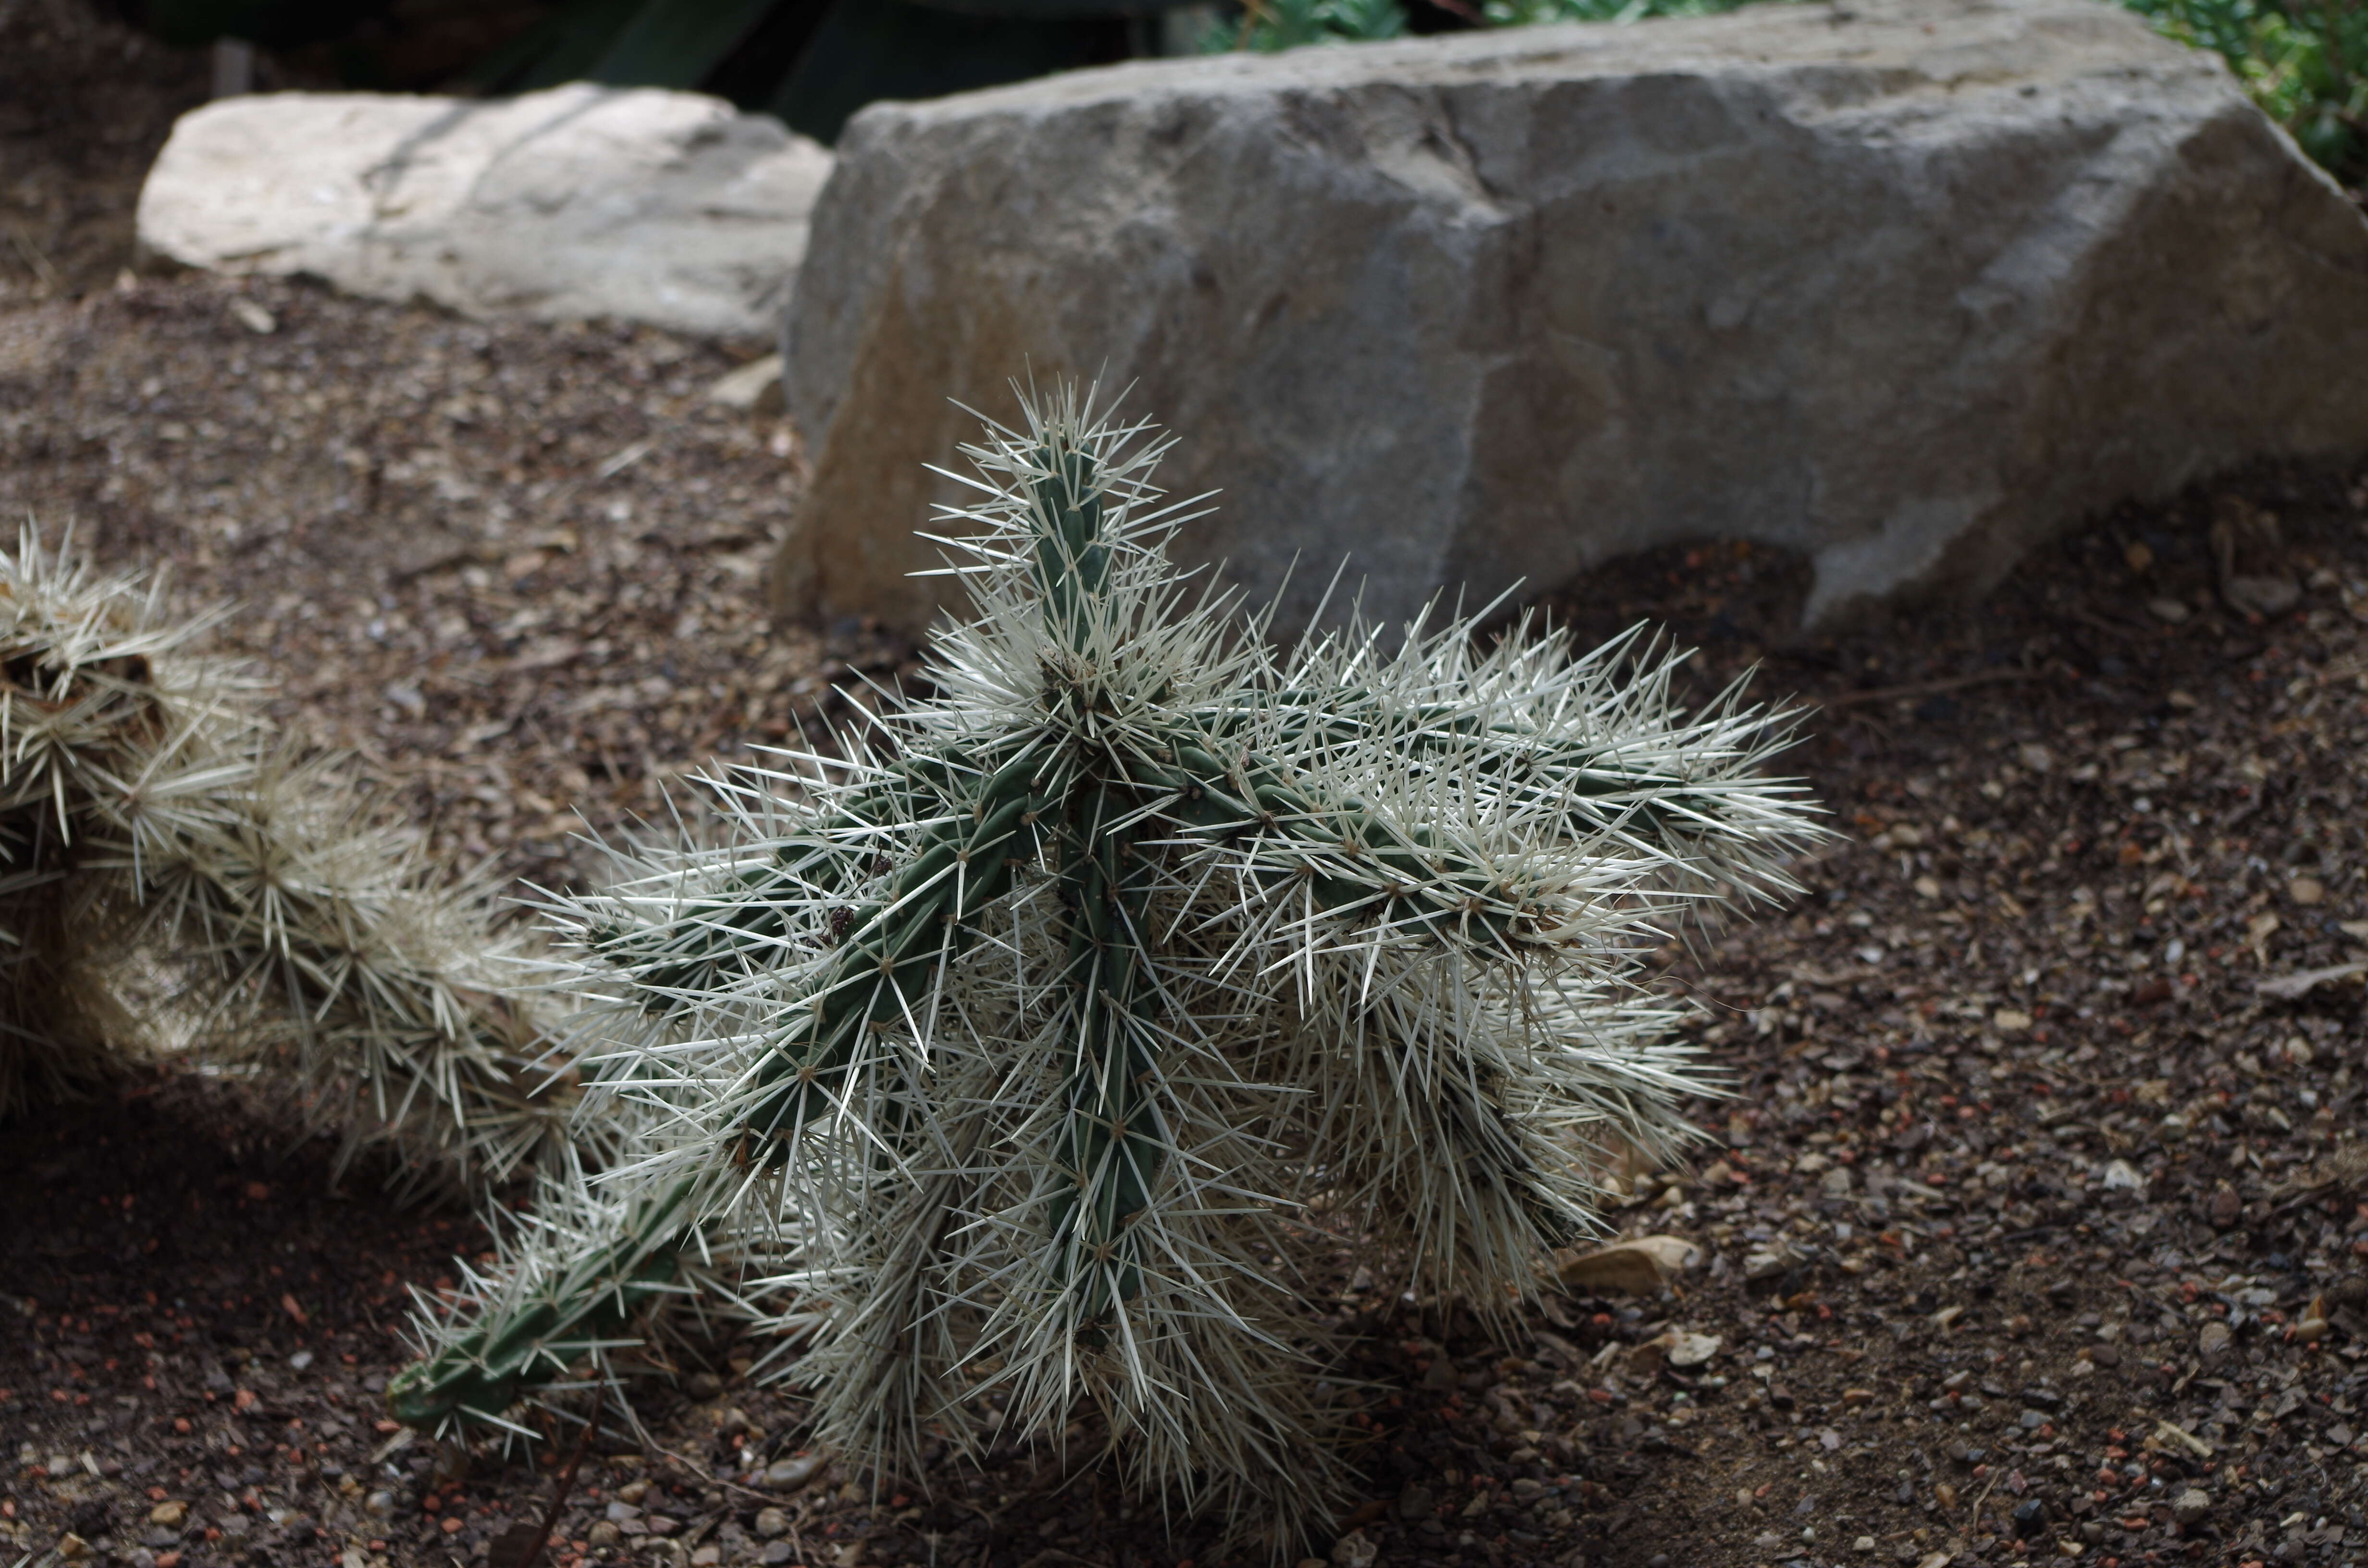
column 180, row 1425
column 431, row 1504
column 257, row 1190
column 168, row 1560
column 452, row 1525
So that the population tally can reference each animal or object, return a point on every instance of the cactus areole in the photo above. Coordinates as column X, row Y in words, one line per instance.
column 1013, row 1043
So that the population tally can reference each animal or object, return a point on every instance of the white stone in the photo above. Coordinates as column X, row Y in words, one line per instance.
column 582, row 202
column 1905, row 285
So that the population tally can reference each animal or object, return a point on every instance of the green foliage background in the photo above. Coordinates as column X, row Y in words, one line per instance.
column 2304, row 62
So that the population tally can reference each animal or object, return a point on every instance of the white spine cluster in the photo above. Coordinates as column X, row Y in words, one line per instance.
column 1011, row 1043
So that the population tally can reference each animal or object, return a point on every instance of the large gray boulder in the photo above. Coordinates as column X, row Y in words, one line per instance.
column 581, row 202
column 1905, row 285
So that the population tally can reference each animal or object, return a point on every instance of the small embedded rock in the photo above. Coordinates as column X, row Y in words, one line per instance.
column 788, row 1475
column 1355, row 1549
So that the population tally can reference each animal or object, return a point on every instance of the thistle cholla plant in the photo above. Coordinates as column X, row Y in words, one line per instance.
column 1031, row 1049
column 177, row 876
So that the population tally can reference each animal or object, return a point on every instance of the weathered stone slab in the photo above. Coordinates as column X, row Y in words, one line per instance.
column 1903, row 285
column 581, row 202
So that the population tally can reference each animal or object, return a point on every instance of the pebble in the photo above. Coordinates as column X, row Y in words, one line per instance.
column 771, row 1522
column 786, row 1475
column 2214, row 1341
column 1415, row 1503
column 602, row 1533
column 2029, row 1519
column 173, row 1511
column 2165, row 609
column 2191, row 1505
column 379, row 1503
column 1355, row 1549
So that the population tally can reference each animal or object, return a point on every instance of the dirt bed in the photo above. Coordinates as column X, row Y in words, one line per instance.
column 2035, row 1230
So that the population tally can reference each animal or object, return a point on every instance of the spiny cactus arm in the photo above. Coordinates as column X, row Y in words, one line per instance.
column 885, row 969
column 884, row 974
column 751, row 922
column 1591, row 749
column 1468, row 1126
column 1305, row 857
column 543, row 1321
column 395, row 1004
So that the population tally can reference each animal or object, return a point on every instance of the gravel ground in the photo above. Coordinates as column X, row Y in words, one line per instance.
column 513, row 569
column 2036, row 1230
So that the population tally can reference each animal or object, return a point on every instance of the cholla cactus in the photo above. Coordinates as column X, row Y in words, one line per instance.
column 1016, row 1048
column 172, row 875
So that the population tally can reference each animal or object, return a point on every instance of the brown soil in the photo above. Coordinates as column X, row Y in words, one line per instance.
column 2035, row 1230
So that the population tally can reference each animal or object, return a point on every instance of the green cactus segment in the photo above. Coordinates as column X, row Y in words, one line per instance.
column 527, row 1342
column 1112, row 1146
column 1073, row 560
column 887, row 964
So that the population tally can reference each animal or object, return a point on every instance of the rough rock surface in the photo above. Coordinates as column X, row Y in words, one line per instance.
column 1905, row 285
column 581, row 202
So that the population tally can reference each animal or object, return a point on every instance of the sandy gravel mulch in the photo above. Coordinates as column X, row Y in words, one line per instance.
column 2036, row 1232
column 513, row 569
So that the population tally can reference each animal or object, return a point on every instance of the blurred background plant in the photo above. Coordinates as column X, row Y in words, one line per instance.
column 2304, row 62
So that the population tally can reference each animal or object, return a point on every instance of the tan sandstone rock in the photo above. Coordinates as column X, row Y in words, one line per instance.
column 1905, row 285
column 582, row 202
